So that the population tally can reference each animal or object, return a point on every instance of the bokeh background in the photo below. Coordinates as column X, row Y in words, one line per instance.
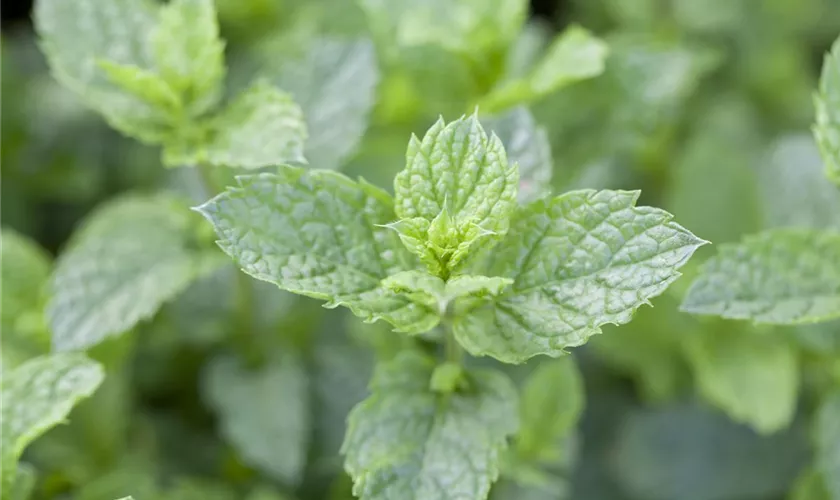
column 705, row 105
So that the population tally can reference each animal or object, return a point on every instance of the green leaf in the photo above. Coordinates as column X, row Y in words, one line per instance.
column 189, row 54
column 76, row 35
column 261, row 127
column 273, row 433
column 794, row 189
column 146, row 85
column 334, row 82
column 783, row 276
column 552, row 402
column 574, row 55
column 578, row 261
column 319, row 234
column 810, row 486
column 753, row 378
column 437, row 294
column 37, row 396
column 459, row 181
column 828, row 443
column 24, row 482
column 131, row 256
column 526, row 145
column 827, row 102
column 407, row 441
column 687, row 452
column 24, row 271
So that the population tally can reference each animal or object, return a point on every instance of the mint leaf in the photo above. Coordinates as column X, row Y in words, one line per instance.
column 466, row 285
column 552, row 402
column 273, row 434
column 574, row 55
column 782, row 276
column 754, row 378
column 578, row 261
column 189, row 54
column 459, row 181
column 319, row 234
column 24, row 271
column 146, row 85
column 334, row 82
column 131, row 256
column 76, row 35
column 827, row 102
column 37, row 396
column 24, row 482
column 261, row 127
column 526, row 145
column 810, row 486
column 828, row 443
column 407, row 441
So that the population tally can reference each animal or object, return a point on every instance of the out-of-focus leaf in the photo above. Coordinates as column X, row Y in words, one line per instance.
column 689, row 453
column 334, row 83
column 783, row 276
column 406, row 440
column 753, row 378
column 37, row 396
column 827, row 128
column 188, row 52
column 828, row 443
column 24, row 482
column 575, row 55
column 526, row 144
column 264, row 412
column 129, row 257
column 261, row 127
column 795, row 191
column 809, row 486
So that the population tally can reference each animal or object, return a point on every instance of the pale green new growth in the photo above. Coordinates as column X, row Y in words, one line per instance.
column 189, row 54
column 319, row 234
column 38, row 395
column 130, row 257
column 552, row 401
column 526, row 145
column 828, row 443
column 753, row 378
column 575, row 55
column 262, row 127
column 146, row 85
column 457, row 180
column 409, row 442
column 827, row 102
column 272, row 435
column 578, row 261
column 783, row 276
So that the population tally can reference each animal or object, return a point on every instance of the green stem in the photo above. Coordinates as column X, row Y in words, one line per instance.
column 453, row 350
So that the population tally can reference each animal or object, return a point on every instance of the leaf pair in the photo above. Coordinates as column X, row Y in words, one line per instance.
column 156, row 74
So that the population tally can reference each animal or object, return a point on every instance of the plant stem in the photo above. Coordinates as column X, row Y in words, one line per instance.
column 453, row 350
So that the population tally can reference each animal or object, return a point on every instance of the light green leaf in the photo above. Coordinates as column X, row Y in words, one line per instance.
column 434, row 289
column 37, row 396
column 146, row 85
column 783, row 276
column 552, row 401
column 574, row 55
column 189, row 54
column 131, row 256
column 809, row 486
column 827, row 102
column 76, row 35
column 793, row 186
column 406, row 441
column 466, row 285
column 24, row 482
column 753, row 378
column 262, row 127
column 334, row 83
column 24, row 270
column 579, row 261
column 273, row 434
column 459, row 180
column 526, row 144
column 319, row 234
column 828, row 443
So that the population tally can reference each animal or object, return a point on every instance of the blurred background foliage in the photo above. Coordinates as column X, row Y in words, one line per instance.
column 704, row 105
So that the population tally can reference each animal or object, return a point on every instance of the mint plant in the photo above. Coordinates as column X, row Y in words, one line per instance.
column 452, row 249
